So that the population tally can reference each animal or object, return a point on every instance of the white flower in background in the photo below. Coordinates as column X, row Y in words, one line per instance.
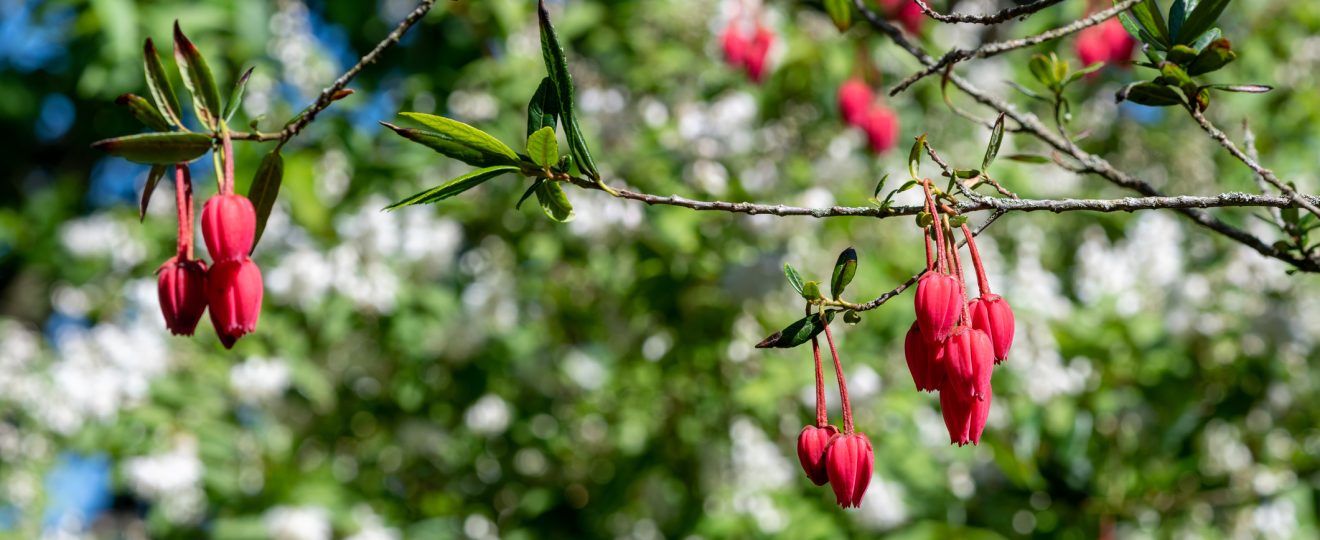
column 1036, row 358
column 758, row 468
column 302, row 278
column 490, row 415
column 1275, row 519
column 298, row 523
column 882, row 507
column 172, row 479
column 371, row 526
column 99, row 235
column 1223, row 451
column 258, row 379
column 298, row 50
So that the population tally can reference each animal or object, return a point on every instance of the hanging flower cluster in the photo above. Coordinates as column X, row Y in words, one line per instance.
column 905, row 12
column 844, row 459
column 954, row 344
column 858, row 108
column 747, row 50
column 1106, row 42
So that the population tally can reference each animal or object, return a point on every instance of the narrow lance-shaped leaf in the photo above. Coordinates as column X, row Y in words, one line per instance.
column 543, row 110
column 556, row 65
column 996, row 138
column 1150, row 94
column 1201, row 19
column 162, row 92
column 265, row 189
column 801, row 331
column 844, row 270
column 527, row 194
column 1177, row 16
column 144, row 111
column 1214, row 56
column 198, row 78
column 1241, row 88
column 464, row 134
column 794, row 278
column 153, row 178
column 236, row 97
column 543, row 148
column 1148, row 15
column 840, row 12
column 157, row 148
column 455, row 186
column 554, row 202
column 914, row 157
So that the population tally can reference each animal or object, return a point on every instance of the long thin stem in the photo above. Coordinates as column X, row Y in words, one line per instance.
column 838, row 373
column 981, row 281
column 822, row 416
column 227, row 184
column 184, row 202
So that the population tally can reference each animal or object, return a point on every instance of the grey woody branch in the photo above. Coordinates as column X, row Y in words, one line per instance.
column 1087, row 163
column 991, row 49
column 994, row 18
column 1261, row 172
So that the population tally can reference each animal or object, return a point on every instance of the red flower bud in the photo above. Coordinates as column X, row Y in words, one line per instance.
column 181, row 286
column 921, row 361
column 758, row 53
column 881, row 127
column 980, row 412
column 234, row 293
column 1121, row 43
column 228, row 225
column 992, row 315
column 938, row 302
column 811, row 451
column 735, row 46
column 970, row 362
column 957, row 412
column 854, row 99
column 849, row 461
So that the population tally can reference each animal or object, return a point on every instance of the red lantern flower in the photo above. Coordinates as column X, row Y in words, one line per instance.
column 992, row 315
column 938, row 302
column 881, row 127
column 855, row 97
column 758, row 53
column 849, row 461
column 234, row 293
column 811, row 451
column 228, row 225
column 181, row 286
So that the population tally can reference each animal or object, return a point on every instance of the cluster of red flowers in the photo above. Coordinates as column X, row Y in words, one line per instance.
column 232, row 287
column 954, row 344
column 1106, row 42
column 906, row 12
column 858, row 108
column 844, row 459
column 747, row 51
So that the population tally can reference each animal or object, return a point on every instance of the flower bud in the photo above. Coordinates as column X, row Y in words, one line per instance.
column 938, row 302
column 234, row 292
column 181, row 287
column 992, row 315
column 970, row 359
column 854, row 99
column 957, row 412
column 228, row 225
column 734, row 45
column 976, row 420
column 849, row 461
column 811, row 451
column 881, row 127
column 920, row 359
column 758, row 53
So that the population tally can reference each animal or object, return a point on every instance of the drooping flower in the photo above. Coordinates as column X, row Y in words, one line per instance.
column 758, row 53
column 181, row 287
column 906, row 12
column 970, row 359
column 991, row 314
column 921, row 360
column 1106, row 42
column 734, row 45
column 938, row 302
column 881, row 127
column 234, row 291
column 229, row 223
column 957, row 412
column 811, row 451
column 855, row 97
column 849, row 460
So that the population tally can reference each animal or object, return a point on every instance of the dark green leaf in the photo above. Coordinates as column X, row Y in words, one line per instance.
column 1242, row 88
column 1130, row 25
column 530, row 189
column 1028, row 158
column 880, row 185
column 455, row 186
column 543, row 110
column 794, row 278
column 157, row 148
column 198, row 78
column 162, row 92
column 543, row 148
column 556, row 65
column 966, row 173
column 1147, row 14
column 1206, row 39
column 236, row 97
column 844, row 270
column 1181, row 54
column 840, row 12
column 554, row 202
column 1177, row 15
column 144, row 111
column 1150, row 94
column 996, row 139
column 153, row 177
column 914, row 156
column 1201, row 19
column 264, row 190
column 797, row 333
column 457, row 140
column 1215, row 56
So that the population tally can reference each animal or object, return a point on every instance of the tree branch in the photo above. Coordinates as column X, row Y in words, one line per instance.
column 1261, row 172
column 994, row 18
column 991, row 49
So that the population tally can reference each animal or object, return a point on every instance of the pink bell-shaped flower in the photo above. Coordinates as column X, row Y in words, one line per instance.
column 881, row 127
column 920, row 360
column 938, row 301
column 855, row 97
column 234, row 290
column 970, row 360
column 181, row 287
column 992, row 315
column 811, row 451
column 229, row 224
column 849, row 461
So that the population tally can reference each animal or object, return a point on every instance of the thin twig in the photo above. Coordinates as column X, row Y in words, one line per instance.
column 1249, row 141
column 1263, row 173
column 991, row 49
column 889, row 295
column 993, row 18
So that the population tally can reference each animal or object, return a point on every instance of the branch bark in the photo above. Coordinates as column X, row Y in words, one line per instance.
column 994, row 18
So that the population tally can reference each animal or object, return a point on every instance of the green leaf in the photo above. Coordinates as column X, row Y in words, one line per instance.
column 840, row 12
column 851, row 317
column 1043, row 70
column 455, row 186
column 1150, row 94
column 801, row 331
column 543, row 148
column 530, row 189
column 914, row 156
column 1148, row 15
column 794, row 278
column 1206, row 39
column 996, row 139
column 844, row 270
column 236, row 97
column 811, row 290
column 543, row 110
column 1181, row 54
column 198, row 78
column 457, row 140
column 1177, row 15
column 1240, row 88
column 554, row 202
column 264, row 190
column 162, row 92
column 157, row 148
column 1216, row 55
column 1028, row 158
column 1130, row 25
column 966, row 173
column 880, row 186
column 1174, row 74
column 1095, row 66
column 153, row 177
column 144, row 111
column 1201, row 19
column 556, row 65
